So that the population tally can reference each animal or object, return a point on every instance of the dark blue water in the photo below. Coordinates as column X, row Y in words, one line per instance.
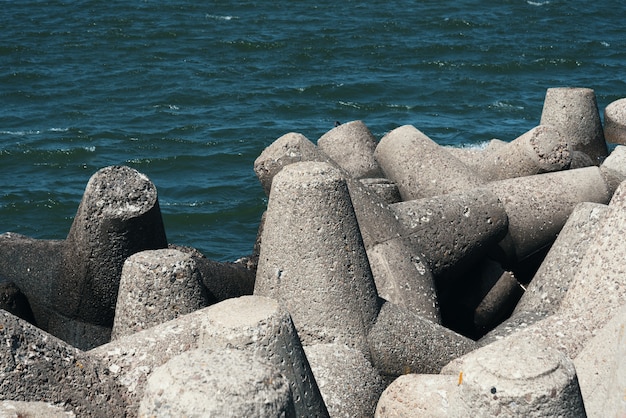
column 191, row 92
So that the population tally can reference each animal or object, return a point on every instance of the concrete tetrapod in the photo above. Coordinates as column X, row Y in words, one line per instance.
column 573, row 111
column 416, row 163
column 313, row 260
column 221, row 383
column 615, row 122
column 157, row 286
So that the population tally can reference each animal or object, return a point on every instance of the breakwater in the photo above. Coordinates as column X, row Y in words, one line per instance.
column 390, row 276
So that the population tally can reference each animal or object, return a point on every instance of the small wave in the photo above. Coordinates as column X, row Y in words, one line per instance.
column 59, row 129
column 504, row 105
column 220, row 17
column 350, row 104
column 537, row 3
column 20, row 133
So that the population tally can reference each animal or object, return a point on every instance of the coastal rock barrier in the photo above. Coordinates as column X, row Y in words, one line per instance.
column 392, row 277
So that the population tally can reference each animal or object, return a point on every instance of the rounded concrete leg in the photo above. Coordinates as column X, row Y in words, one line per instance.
column 312, row 257
column 349, row 384
column 516, row 377
column 258, row 324
column 118, row 216
column 157, row 286
column 417, row 165
column 227, row 382
column 417, row 395
column 574, row 113
column 352, row 145
column 615, row 122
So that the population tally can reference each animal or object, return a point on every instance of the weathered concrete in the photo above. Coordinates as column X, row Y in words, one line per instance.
column 313, row 260
column 384, row 188
column 453, row 230
column 417, row 395
column 402, row 342
column 615, row 122
column 573, row 111
column 253, row 323
column 552, row 280
column 157, row 286
column 538, row 206
column 395, row 264
column 20, row 409
column 349, row 384
column 515, row 377
column 540, row 150
column 260, row 325
column 416, row 163
column 39, row 367
column 288, row 149
column 613, row 168
column 601, row 369
column 351, row 145
column 224, row 383
column 72, row 285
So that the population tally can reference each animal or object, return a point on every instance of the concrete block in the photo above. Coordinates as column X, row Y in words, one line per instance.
column 601, row 369
column 37, row 367
column 288, row 149
column 613, row 168
column 552, row 280
column 384, row 188
column 416, row 163
column 538, row 206
column 20, row 409
column 260, row 325
column 224, row 383
column 540, row 150
column 157, row 286
column 417, row 395
column 615, row 122
column 349, row 384
column 453, row 230
column 515, row 377
column 402, row 342
column 351, row 145
column 313, row 260
column 573, row 111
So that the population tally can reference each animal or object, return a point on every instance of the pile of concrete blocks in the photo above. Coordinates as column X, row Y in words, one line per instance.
column 391, row 277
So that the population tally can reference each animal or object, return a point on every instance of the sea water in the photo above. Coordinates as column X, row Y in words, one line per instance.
column 191, row 92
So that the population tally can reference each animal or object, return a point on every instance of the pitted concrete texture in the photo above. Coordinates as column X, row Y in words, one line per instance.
column 20, row 409
column 538, row 206
column 515, row 377
column 601, row 369
column 37, row 367
column 453, row 230
column 351, row 145
column 540, row 150
column 224, row 383
column 613, row 168
column 417, row 395
column 615, row 122
column 349, row 384
column 551, row 282
column 402, row 342
column 157, row 286
column 288, row 149
column 573, row 111
column 416, row 163
column 260, row 325
column 313, row 260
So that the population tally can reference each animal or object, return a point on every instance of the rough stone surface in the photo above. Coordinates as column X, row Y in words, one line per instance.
column 224, row 383
column 415, row 163
column 417, row 395
column 20, row 409
column 39, row 367
column 349, row 384
column 538, row 206
column 613, row 168
column 313, row 260
column 156, row 286
column 615, row 122
column 515, row 377
column 573, row 111
column 260, row 325
column 402, row 342
column 352, row 145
